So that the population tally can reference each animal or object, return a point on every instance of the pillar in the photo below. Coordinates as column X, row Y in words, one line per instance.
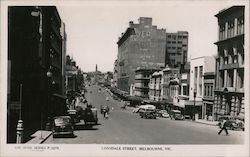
column 235, row 26
column 226, row 30
column 225, row 78
column 235, row 78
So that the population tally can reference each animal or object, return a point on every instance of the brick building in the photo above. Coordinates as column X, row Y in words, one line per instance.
column 142, row 45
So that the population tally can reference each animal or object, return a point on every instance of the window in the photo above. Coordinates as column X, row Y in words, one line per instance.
column 184, row 90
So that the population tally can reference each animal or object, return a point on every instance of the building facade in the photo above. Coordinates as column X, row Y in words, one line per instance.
column 142, row 45
column 199, row 66
column 208, row 96
column 141, row 85
column 115, row 73
column 155, row 86
column 177, row 49
column 34, row 39
column 229, row 85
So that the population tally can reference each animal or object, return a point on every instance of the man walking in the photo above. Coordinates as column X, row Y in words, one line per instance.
column 223, row 127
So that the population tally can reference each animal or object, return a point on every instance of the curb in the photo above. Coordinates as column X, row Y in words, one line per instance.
column 45, row 138
column 203, row 123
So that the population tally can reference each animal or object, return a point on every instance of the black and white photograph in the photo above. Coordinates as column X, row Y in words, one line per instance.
column 124, row 78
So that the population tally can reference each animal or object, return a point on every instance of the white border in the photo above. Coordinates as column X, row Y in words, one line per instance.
column 96, row 150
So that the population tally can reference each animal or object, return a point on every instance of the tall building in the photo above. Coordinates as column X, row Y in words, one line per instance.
column 177, row 49
column 114, row 83
column 229, row 85
column 142, row 45
column 35, row 64
column 64, row 49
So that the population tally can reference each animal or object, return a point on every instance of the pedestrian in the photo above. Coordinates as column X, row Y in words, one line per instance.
column 223, row 127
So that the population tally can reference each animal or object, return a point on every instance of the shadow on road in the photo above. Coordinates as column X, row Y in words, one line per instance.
column 85, row 127
column 65, row 136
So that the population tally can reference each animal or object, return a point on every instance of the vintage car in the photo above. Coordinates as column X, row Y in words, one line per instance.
column 147, row 111
column 62, row 125
column 73, row 115
column 176, row 115
column 90, row 115
column 232, row 123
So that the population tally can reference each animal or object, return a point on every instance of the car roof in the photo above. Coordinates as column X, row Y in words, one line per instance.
column 61, row 117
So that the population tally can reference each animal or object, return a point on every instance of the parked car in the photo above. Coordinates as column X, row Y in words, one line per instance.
column 147, row 111
column 176, row 115
column 163, row 114
column 74, row 116
column 233, row 123
column 104, row 108
column 62, row 125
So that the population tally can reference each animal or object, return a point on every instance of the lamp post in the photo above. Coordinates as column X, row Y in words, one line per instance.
column 194, row 111
column 19, row 133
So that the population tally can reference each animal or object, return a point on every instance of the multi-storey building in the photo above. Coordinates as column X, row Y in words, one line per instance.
column 115, row 73
column 199, row 66
column 142, row 77
column 142, row 45
column 177, row 49
column 229, row 86
column 169, row 75
column 35, row 64
column 64, row 48
column 208, row 95
column 155, row 86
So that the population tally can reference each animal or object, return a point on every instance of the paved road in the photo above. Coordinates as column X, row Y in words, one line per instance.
column 125, row 127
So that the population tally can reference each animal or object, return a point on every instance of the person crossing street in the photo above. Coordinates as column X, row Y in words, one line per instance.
column 224, row 127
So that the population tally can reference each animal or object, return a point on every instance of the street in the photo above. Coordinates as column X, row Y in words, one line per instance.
column 125, row 127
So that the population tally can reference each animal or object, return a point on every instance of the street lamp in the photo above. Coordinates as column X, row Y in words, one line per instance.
column 194, row 104
column 19, row 138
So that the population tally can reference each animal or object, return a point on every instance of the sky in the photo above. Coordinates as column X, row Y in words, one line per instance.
column 93, row 28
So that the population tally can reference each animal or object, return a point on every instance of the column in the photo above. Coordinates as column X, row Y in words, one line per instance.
column 224, row 107
column 235, row 79
column 225, row 78
column 226, row 30
column 235, row 26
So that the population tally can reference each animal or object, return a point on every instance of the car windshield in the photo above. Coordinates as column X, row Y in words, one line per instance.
column 62, row 121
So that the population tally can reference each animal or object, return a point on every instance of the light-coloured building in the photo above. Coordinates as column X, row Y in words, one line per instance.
column 199, row 66
column 155, row 86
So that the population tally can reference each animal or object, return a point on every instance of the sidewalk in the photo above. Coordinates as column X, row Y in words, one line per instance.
column 39, row 137
column 214, row 123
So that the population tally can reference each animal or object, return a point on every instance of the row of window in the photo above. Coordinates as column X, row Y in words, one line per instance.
column 208, row 89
